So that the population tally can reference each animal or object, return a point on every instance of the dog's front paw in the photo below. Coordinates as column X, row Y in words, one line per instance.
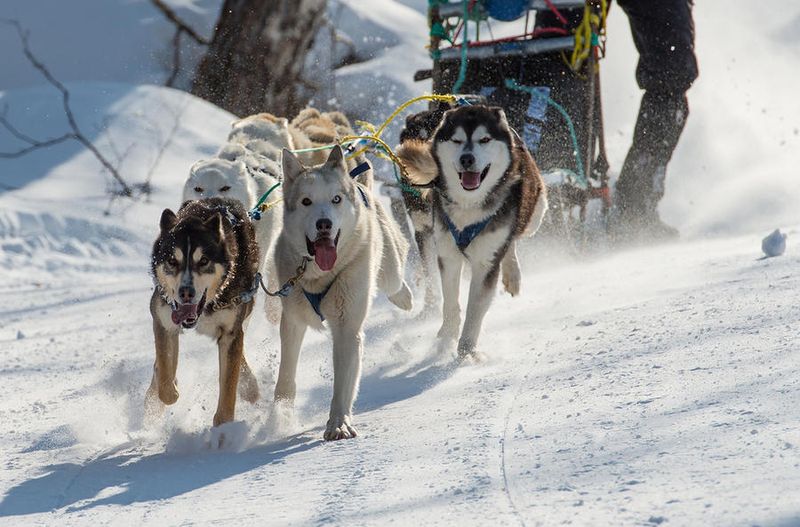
column 339, row 428
column 512, row 279
column 168, row 392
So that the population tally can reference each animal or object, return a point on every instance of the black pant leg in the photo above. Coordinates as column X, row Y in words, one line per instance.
column 663, row 32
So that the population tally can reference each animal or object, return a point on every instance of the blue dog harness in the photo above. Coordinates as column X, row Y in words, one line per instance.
column 315, row 299
column 470, row 232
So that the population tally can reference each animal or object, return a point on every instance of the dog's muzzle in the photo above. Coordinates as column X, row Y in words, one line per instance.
column 472, row 180
column 186, row 315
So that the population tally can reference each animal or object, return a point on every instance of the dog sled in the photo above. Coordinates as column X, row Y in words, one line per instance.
column 538, row 60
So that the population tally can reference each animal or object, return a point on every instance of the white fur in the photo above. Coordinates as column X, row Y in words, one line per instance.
column 371, row 254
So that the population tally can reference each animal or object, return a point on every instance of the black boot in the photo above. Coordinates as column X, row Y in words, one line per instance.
column 641, row 182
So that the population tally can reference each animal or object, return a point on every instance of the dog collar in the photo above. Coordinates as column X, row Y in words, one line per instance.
column 464, row 237
column 315, row 299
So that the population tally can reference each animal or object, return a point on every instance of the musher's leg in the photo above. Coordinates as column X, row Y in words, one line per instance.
column 663, row 31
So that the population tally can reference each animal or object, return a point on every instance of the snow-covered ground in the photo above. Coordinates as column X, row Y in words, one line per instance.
column 651, row 386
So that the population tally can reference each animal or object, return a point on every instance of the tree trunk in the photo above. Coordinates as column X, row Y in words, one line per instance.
column 255, row 60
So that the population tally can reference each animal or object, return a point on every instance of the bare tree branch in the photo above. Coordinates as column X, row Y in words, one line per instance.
column 180, row 24
column 33, row 144
column 180, row 28
column 76, row 134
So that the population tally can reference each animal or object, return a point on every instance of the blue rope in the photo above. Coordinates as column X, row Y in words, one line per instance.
column 580, row 175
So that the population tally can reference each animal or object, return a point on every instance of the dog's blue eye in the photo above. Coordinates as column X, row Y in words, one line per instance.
column 306, row 202
column 485, row 140
column 203, row 261
column 337, row 199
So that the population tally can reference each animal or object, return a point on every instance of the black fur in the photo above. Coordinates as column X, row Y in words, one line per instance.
column 224, row 231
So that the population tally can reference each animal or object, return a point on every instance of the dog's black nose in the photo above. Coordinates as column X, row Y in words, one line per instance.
column 186, row 293
column 324, row 225
column 467, row 160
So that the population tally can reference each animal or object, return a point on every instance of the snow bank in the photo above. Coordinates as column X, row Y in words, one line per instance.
column 59, row 213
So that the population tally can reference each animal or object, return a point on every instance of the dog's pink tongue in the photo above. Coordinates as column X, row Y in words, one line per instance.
column 325, row 253
column 470, row 180
column 183, row 313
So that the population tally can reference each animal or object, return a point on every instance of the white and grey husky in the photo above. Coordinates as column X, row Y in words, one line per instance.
column 353, row 248
column 487, row 194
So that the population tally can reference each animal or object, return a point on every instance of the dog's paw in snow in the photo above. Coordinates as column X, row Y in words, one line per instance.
column 403, row 299
column 339, row 428
column 471, row 358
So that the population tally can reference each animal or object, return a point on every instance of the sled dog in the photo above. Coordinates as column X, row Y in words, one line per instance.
column 420, row 127
column 351, row 248
column 204, row 266
column 487, row 194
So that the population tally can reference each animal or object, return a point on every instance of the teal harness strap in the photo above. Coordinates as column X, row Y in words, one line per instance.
column 315, row 299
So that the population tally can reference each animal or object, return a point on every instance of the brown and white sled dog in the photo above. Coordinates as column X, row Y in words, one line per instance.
column 353, row 248
column 487, row 194
column 204, row 265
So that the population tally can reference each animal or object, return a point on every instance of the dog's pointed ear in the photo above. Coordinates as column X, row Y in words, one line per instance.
column 240, row 166
column 168, row 220
column 500, row 114
column 214, row 225
column 290, row 165
column 336, row 159
column 195, row 166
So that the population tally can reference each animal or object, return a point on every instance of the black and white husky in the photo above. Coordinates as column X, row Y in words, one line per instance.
column 487, row 193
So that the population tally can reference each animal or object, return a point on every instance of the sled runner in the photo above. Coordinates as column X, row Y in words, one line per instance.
column 545, row 76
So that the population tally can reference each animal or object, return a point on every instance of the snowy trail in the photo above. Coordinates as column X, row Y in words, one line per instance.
column 613, row 402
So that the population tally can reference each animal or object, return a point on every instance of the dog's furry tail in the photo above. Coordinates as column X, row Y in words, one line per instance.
column 418, row 160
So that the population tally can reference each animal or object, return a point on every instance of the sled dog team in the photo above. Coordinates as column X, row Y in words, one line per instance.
column 326, row 242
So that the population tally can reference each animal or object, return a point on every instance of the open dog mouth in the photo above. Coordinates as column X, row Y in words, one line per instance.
column 186, row 315
column 473, row 180
column 323, row 249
